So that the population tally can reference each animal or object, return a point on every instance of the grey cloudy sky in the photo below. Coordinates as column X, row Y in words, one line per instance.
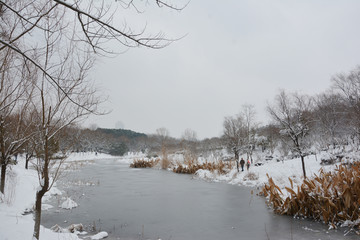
column 235, row 52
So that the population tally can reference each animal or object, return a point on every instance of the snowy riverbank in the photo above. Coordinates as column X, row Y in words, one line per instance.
column 280, row 171
column 19, row 198
column 21, row 186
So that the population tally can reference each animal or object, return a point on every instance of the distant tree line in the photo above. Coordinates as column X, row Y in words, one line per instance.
column 111, row 141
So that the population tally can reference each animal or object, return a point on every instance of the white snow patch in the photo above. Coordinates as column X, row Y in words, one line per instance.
column 310, row 229
column 46, row 207
column 68, row 204
column 20, row 195
column 204, row 174
column 73, row 228
column 88, row 156
column 100, row 235
column 55, row 191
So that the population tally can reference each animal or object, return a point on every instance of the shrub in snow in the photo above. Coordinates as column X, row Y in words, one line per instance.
column 69, row 204
column 331, row 197
column 73, row 228
column 328, row 158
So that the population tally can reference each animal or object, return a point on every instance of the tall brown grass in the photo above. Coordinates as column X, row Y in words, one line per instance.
column 220, row 167
column 165, row 162
column 190, row 159
column 332, row 197
column 142, row 163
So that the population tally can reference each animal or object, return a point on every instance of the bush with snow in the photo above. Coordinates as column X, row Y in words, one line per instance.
column 73, row 228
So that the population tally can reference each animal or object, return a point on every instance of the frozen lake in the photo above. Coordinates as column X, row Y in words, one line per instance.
column 155, row 204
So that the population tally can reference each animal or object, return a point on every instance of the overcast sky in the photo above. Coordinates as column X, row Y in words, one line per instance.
column 235, row 52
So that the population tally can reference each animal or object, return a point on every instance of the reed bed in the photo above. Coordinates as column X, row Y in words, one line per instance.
column 142, row 163
column 220, row 167
column 331, row 197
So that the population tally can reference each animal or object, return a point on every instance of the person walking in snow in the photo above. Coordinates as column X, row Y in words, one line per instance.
column 242, row 163
column 248, row 164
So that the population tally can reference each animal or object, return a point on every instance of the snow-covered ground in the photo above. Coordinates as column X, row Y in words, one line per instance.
column 280, row 171
column 19, row 198
column 21, row 186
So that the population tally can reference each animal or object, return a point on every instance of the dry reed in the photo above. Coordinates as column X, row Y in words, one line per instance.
column 220, row 167
column 331, row 197
column 142, row 163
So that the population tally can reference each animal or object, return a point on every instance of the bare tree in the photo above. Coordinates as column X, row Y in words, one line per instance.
column 293, row 114
column 331, row 119
column 58, row 38
column 57, row 104
column 348, row 85
column 14, row 87
column 189, row 143
column 269, row 137
column 248, row 111
column 163, row 136
column 22, row 22
column 189, row 139
column 235, row 134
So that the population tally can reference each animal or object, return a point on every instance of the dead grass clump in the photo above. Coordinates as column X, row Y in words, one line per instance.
column 186, row 170
column 190, row 159
column 165, row 163
column 220, row 167
column 332, row 197
column 250, row 176
column 142, row 163
column 229, row 164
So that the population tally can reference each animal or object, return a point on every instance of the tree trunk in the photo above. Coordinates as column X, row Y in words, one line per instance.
column 236, row 155
column 3, row 173
column 303, row 166
column 44, row 189
column 27, row 159
column 37, row 219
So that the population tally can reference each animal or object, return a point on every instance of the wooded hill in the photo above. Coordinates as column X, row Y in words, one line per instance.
column 120, row 133
column 112, row 141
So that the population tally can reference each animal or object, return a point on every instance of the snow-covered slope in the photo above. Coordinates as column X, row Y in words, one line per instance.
column 19, row 198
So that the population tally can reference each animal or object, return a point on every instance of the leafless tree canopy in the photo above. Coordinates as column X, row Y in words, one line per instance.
column 14, row 103
column 293, row 113
column 80, row 25
column 348, row 86
column 331, row 119
column 234, row 134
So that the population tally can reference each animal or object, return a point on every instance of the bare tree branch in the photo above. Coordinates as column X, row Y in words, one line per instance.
column 52, row 79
